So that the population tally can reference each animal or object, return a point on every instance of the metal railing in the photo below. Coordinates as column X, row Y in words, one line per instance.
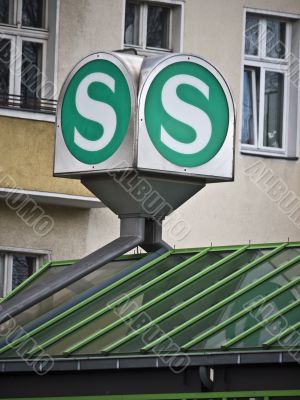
column 25, row 103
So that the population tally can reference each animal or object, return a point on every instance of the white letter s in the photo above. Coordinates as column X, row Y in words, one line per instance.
column 95, row 110
column 186, row 113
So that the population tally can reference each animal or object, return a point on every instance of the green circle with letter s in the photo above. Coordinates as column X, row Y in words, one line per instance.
column 96, row 110
column 186, row 114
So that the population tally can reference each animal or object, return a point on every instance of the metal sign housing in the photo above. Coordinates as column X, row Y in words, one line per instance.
column 153, row 154
column 67, row 163
column 141, row 131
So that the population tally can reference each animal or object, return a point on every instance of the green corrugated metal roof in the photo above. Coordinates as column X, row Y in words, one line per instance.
column 192, row 300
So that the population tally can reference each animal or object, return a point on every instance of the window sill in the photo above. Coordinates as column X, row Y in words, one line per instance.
column 264, row 154
column 57, row 199
column 23, row 114
column 147, row 51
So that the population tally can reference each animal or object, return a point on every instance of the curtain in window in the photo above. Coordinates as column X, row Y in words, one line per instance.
column 23, row 267
column 247, row 127
column 1, row 275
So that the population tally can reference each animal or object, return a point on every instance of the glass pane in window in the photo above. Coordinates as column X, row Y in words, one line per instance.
column 1, row 275
column 132, row 24
column 31, row 70
column 273, row 112
column 252, row 36
column 275, row 39
column 23, row 267
column 158, row 27
column 33, row 13
column 6, row 11
column 5, row 46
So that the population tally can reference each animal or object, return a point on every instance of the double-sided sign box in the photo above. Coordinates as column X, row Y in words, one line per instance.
column 170, row 118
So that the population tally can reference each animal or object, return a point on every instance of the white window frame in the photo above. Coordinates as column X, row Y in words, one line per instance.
column 41, row 256
column 17, row 34
column 174, row 44
column 16, row 47
column 265, row 64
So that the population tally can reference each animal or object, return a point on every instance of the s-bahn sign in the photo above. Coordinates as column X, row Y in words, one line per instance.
column 98, row 99
column 171, row 114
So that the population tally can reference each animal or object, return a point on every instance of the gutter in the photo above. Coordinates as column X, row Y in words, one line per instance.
column 149, row 362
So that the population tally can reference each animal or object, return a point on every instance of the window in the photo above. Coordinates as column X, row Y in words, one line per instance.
column 153, row 27
column 27, row 54
column 16, row 266
column 268, row 125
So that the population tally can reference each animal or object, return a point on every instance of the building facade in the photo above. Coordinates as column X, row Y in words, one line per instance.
column 255, row 44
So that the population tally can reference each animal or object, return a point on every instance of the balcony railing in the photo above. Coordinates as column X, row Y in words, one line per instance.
column 24, row 103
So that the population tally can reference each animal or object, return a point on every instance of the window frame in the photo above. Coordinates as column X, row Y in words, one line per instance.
column 18, row 34
column 45, row 17
column 41, row 256
column 14, row 14
column 145, row 28
column 174, row 6
column 265, row 64
column 16, row 66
